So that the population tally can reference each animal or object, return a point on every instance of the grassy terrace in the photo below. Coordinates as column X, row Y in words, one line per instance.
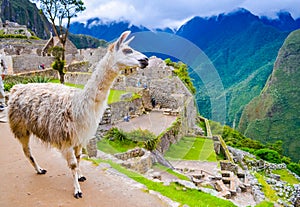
column 266, row 188
column 115, row 96
column 116, row 146
column 192, row 148
column 286, row 176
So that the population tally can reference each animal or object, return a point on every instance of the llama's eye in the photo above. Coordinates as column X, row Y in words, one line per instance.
column 127, row 51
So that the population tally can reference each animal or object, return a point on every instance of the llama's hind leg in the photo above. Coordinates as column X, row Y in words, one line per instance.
column 78, row 151
column 24, row 140
column 72, row 163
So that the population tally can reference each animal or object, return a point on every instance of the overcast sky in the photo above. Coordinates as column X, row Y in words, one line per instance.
column 167, row 13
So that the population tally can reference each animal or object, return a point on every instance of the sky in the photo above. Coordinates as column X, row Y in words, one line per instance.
column 167, row 13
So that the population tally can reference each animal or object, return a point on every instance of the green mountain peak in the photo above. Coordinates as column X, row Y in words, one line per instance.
column 274, row 114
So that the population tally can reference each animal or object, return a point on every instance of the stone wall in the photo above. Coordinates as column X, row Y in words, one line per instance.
column 221, row 146
column 30, row 62
column 122, row 108
column 171, row 136
column 82, row 66
column 92, row 56
column 77, row 78
column 45, row 73
column 137, row 159
column 15, row 46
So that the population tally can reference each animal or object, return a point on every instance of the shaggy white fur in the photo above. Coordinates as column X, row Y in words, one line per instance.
column 65, row 117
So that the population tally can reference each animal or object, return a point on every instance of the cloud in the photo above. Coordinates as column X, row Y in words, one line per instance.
column 164, row 13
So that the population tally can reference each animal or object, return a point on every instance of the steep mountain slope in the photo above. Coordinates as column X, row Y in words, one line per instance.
column 274, row 114
column 242, row 49
column 25, row 13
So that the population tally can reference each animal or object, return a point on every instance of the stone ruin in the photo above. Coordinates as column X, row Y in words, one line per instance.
column 137, row 159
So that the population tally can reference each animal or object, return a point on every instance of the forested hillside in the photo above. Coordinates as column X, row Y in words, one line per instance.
column 274, row 114
column 242, row 49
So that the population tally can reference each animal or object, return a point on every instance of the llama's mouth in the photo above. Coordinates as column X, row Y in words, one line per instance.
column 143, row 63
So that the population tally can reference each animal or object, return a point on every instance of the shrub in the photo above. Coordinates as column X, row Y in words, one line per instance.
column 140, row 135
column 294, row 167
column 181, row 70
column 10, row 82
column 286, row 160
column 268, row 155
column 151, row 144
column 115, row 133
column 39, row 79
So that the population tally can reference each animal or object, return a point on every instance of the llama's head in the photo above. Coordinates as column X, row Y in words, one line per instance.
column 124, row 56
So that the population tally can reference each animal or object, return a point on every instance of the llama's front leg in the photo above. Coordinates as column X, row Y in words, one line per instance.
column 24, row 140
column 72, row 163
column 78, row 151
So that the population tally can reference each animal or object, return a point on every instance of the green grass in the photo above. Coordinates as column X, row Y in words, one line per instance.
column 115, row 96
column 116, row 146
column 173, row 191
column 265, row 204
column 266, row 188
column 286, row 176
column 192, row 148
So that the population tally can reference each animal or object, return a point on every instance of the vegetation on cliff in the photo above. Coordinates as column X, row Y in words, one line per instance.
column 181, row 70
column 25, row 13
column 274, row 115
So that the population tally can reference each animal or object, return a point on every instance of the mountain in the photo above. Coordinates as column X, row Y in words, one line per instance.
column 242, row 48
column 25, row 13
column 284, row 22
column 107, row 30
column 274, row 114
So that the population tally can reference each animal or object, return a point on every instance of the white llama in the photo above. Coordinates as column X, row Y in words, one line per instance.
column 67, row 117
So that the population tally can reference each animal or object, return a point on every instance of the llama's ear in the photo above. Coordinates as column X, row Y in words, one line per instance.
column 121, row 39
column 128, row 41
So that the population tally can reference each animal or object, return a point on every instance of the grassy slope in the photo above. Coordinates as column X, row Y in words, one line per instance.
column 192, row 148
column 275, row 114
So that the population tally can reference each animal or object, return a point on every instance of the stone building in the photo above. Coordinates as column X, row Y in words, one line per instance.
column 25, row 55
column 13, row 28
column 70, row 49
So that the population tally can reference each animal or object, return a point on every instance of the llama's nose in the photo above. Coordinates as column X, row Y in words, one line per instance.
column 143, row 62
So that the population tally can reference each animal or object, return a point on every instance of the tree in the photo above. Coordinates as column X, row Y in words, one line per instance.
column 57, row 11
column 268, row 155
column 59, row 63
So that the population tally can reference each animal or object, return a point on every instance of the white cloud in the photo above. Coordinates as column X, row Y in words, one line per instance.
column 166, row 13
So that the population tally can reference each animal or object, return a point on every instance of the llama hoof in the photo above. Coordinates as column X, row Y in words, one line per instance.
column 42, row 172
column 78, row 195
column 81, row 179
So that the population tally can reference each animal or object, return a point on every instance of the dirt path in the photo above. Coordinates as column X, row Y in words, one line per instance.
column 155, row 122
column 21, row 186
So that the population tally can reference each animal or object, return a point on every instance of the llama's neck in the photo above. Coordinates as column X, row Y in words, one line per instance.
column 97, row 88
